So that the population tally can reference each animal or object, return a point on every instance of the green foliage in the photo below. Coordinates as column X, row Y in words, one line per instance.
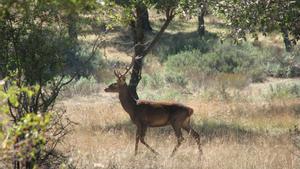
column 40, row 54
column 223, row 86
column 283, row 64
column 179, row 4
column 260, row 16
column 154, row 81
column 229, row 58
column 283, row 91
column 185, row 62
column 181, row 42
column 39, row 46
column 129, row 7
column 25, row 138
column 177, row 79
column 163, row 93
column 28, row 135
column 222, row 58
column 83, row 86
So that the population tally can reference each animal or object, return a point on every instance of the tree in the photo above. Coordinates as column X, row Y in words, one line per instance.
column 37, row 49
column 145, row 21
column 127, row 4
column 251, row 16
column 202, row 11
column 134, row 16
column 25, row 140
column 70, row 10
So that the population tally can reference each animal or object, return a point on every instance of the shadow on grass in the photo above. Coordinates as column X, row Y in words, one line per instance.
column 175, row 25
column 169, row 43
column 296, row 109
column 126, row 127
column 209, row 130
column 219, row 25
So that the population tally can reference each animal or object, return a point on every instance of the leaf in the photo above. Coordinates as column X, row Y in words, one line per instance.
column 14, row 100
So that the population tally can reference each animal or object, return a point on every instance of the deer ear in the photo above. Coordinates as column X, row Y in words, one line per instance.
column 123, row 78
column 116, row 74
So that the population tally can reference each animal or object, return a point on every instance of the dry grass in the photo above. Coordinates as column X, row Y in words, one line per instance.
column 234, row 135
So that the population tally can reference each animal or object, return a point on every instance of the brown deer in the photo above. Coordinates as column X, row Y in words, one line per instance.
column 146, row 114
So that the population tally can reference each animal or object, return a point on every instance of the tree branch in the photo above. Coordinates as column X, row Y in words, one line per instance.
column 169, row 17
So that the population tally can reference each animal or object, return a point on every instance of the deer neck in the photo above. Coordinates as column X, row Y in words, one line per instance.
column 127, row 101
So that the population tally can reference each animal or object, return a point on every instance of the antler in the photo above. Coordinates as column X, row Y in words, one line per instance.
column 128, row 67
column 119, row 75
column 131, row 64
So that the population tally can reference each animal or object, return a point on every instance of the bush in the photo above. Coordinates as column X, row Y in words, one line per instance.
column 29, row 139
column 229, row 58
column 37, row 49
column 94, row 66
column 24, row 137
column 224, row 86
column 155, row 80
column 223, row 58
column 177, row 79
column 83, row 86
column 182, row 42
column 257, row 74
column 185, row 62
column 283, row 91
column 284, row 64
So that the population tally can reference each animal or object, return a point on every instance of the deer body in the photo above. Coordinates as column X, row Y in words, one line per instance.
column 146, row 114
column 152, row 114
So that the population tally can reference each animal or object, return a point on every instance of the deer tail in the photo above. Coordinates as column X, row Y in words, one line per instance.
column 191, row 111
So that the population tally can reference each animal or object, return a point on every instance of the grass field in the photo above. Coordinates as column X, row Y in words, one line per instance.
column 252, row 127
column 54, row 113
column 245, row 134
column 243, row 125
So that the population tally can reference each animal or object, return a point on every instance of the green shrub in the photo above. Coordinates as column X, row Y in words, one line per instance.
column 182, row 42
column 154, row 81
column 184, row 62
column 176, row 79
column 284, row 64
column 83, row 86
column 283, row 67
column 283, row 91
column 22, row 137
column 257, row 74
column 162, row 93
column 224, row 86
column 230, row 58
column 208, row 94
column 223, row 58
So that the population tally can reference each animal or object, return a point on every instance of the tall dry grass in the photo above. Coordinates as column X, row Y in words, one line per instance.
column 235, row 135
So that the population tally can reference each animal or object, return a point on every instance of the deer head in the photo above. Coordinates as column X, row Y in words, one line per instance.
column 114, row 87
column 121, row 81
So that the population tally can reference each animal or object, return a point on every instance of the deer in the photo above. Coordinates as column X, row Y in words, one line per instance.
column 146, row 114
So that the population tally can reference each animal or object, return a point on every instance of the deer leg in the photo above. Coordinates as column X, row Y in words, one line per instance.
column 195, row 135
column 137, row 139
column 179, row 136
column 142, row 139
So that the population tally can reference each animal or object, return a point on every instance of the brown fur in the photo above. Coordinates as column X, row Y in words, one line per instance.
column 154, row 114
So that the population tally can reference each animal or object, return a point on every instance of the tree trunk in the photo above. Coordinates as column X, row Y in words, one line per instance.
column 16, row 164
column 201, row 14
column 141, row 49
column 145, row 19
column 138, row 38
column 72, row 25
column 286, row 40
